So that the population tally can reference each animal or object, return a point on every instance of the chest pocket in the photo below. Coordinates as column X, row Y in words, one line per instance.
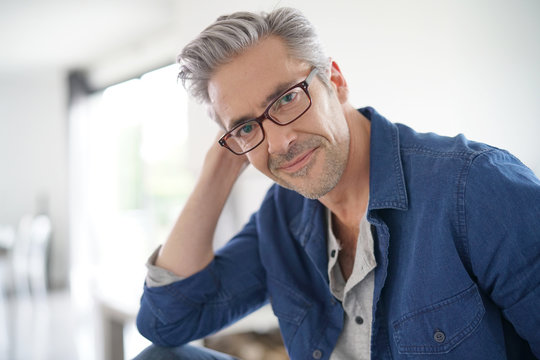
column 439, row 328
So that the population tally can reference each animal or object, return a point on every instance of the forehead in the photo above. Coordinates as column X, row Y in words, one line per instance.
column 240, row 88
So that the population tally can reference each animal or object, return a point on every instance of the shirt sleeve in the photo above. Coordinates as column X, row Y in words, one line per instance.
column 158, row 276
column 230, row 287
column 502, row 220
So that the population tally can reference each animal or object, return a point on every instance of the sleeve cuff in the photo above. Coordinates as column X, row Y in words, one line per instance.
column 157, row 276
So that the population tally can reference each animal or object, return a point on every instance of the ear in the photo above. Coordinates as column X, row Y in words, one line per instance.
column 338, row 81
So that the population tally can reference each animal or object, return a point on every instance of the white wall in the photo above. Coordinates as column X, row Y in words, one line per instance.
column 33, row 156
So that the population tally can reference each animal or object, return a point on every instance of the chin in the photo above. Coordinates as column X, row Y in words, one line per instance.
column 311, row 187
column 309, row 192
column 314, row 194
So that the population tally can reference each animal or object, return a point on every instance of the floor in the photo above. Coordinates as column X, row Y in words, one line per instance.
column 56, row 327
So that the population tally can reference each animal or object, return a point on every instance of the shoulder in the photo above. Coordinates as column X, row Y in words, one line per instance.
column 499, row 178
column 434, row 145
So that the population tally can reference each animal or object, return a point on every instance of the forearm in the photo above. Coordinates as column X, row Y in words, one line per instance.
column 216, row 296
column 188, row 248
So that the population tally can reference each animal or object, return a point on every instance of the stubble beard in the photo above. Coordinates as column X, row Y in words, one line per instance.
column 335, row 161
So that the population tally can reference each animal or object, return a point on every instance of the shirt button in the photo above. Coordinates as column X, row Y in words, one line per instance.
column 359, row 320
column 317, row 354
column 333, row 253
column 439, row 336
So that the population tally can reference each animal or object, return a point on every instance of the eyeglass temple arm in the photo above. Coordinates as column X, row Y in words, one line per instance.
column 311, row 75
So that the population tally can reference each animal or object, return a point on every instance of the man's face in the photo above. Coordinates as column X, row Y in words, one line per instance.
column 308, row 155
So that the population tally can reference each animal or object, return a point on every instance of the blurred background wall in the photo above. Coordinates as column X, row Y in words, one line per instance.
column 460, row 66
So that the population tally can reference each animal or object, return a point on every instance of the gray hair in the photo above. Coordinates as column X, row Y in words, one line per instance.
column 230, row 35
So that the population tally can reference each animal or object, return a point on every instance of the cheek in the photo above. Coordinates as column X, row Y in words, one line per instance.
column 328, row 120
column 258, row 159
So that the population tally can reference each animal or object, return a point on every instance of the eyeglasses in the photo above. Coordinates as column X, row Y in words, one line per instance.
column 285, row 109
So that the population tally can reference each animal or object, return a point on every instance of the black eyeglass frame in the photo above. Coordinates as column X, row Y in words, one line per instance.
column 265, row 115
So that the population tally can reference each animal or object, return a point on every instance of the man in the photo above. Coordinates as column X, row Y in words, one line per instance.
column 376, row 241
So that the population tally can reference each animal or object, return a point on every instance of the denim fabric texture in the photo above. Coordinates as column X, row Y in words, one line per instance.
column 456, row 228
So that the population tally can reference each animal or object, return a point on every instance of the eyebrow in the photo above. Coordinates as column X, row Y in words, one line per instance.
column 280, row 89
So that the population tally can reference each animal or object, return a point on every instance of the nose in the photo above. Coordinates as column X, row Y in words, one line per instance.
column 279, row 138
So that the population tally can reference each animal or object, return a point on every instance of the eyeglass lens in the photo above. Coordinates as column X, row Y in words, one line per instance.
column 283, row 110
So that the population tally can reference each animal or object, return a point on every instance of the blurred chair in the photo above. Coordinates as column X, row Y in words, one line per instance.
column 7, row 239
column 40, row 238
column 30, row 254
column 19, row 257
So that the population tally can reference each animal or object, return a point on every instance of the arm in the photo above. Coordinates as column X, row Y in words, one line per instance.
column 216, row 289
column 188, row 248
column 230, row 287
column 502, row 217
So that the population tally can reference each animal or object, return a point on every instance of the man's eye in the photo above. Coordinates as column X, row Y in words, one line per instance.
column 287, row 98
column 246, row 129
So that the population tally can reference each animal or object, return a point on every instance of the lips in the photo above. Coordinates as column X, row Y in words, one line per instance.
column 298, row 163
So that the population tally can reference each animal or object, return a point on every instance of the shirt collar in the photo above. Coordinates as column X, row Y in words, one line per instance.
column 387, row 184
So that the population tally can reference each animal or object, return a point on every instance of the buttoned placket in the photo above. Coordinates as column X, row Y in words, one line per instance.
column 353, row 299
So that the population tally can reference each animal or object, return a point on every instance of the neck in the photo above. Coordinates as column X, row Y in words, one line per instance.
column 349, row 199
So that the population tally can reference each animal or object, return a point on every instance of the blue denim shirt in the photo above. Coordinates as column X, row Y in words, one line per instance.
column 456, row 226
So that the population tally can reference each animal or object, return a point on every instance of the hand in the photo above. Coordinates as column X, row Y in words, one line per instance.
column 220, row 161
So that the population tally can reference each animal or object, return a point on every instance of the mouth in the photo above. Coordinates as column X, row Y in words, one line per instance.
column 298, row 163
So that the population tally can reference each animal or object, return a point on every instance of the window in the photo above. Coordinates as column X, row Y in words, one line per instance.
column 129, row 181
column 134, row 180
